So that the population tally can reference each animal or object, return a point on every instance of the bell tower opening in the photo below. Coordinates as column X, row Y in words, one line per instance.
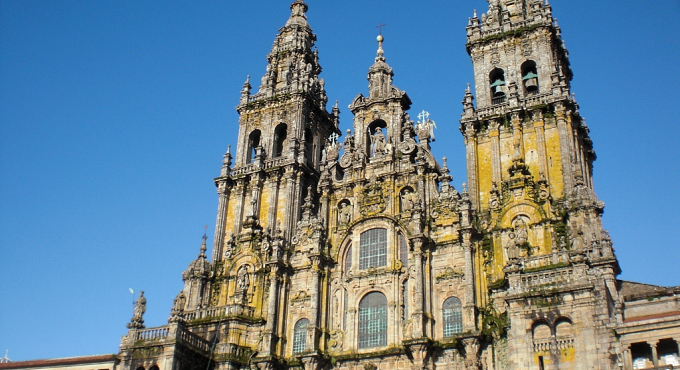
column 497, row 85
column 530, row 78
column 280, row 134
column 253, row 144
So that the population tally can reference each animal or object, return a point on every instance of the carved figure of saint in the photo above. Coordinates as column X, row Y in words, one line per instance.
column 140, row 308
column 344, row 214
column 407, row 200
column 378, row 142
column 520, row 231
column 242, row 279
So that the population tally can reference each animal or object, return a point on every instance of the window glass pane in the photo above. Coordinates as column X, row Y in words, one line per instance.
column 300, row 336
column 373, row 321
column 453, row 316
column 373, row 248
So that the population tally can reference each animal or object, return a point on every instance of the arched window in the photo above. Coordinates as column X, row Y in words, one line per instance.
column 253, row 143
column 497, row 85
column 530, row 77
column 403, row 250
column 373, row 248
column 300, row 336
column 542, row 331
column 563, row 328
column 348, row 259
column 280, row 134
column 453, row 316
column 373, row 320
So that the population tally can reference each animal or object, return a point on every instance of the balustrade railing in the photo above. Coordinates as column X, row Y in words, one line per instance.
column 225, row 311
column 188, row 338
column 551, row 344
column 153, row 333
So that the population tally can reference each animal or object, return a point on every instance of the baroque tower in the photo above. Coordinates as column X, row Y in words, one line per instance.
column 548, row 263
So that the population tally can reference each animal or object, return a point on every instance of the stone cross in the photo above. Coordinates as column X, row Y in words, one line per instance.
column 423, row 115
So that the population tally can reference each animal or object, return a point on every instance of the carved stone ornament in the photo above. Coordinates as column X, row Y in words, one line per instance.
column 525, row 45
column 373, row 199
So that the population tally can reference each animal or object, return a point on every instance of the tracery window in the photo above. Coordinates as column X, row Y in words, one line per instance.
column 373, row 320
column 453, row 316
column 373, row 247
column 300, row 336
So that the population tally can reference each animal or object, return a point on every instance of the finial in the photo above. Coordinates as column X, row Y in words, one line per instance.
column 445, row 168
column 474, row 14
column 336, row 105
column 203, row 247
column 380, row 39
column 227, row 157
column 467, row 90
column 464, row 188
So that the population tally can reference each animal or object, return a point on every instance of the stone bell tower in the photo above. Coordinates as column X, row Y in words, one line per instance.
column 547, row 261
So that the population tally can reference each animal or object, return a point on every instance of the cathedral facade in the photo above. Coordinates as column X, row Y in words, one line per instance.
column 352, row 251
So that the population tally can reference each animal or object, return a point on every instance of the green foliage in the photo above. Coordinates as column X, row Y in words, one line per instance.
column 494, row 325
column 497, row 284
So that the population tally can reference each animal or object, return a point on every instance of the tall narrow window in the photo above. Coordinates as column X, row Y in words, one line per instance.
column 373, row 248
column 373, row 320
column 453, row 316
column 300, row 336
column 403, row 250
column 279, row 139
column 253, row 144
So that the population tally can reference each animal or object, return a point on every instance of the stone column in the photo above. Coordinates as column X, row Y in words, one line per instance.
column 539, row 126
column 418, row 314
column 517, row 137
column 494, row 134
column 316, row 298
column 469, row 322
column 655, row 356
column 240, row 198
column 270, row 327
column 565, row 147
column 222, row 207
column 290, row 201
column 471, row 157
column 471, row 346
column 273, row 199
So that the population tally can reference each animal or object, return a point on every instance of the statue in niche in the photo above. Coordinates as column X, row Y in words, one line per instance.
column 519, row 236
column 344, row 213
column 242, row 279
column 266, row 243
column 520, row 231
column 378, row 144
column 407, row 200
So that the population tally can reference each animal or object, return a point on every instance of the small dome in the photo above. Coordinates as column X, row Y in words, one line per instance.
column 380, row 38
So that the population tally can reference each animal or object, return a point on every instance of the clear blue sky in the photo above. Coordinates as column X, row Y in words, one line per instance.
column 114, row 116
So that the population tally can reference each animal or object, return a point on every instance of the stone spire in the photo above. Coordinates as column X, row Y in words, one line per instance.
column 293, row 63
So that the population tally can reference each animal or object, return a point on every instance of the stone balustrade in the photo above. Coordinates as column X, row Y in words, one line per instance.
column 158, row 333
column 553, row 344
column 224, row 311
column 190, row 339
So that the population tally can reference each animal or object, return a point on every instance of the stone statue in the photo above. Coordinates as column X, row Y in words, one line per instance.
column 242, row 279
column 344, row 214
column 407, row 200
column 137, row 320
column 378, row 143
column 180, row 301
